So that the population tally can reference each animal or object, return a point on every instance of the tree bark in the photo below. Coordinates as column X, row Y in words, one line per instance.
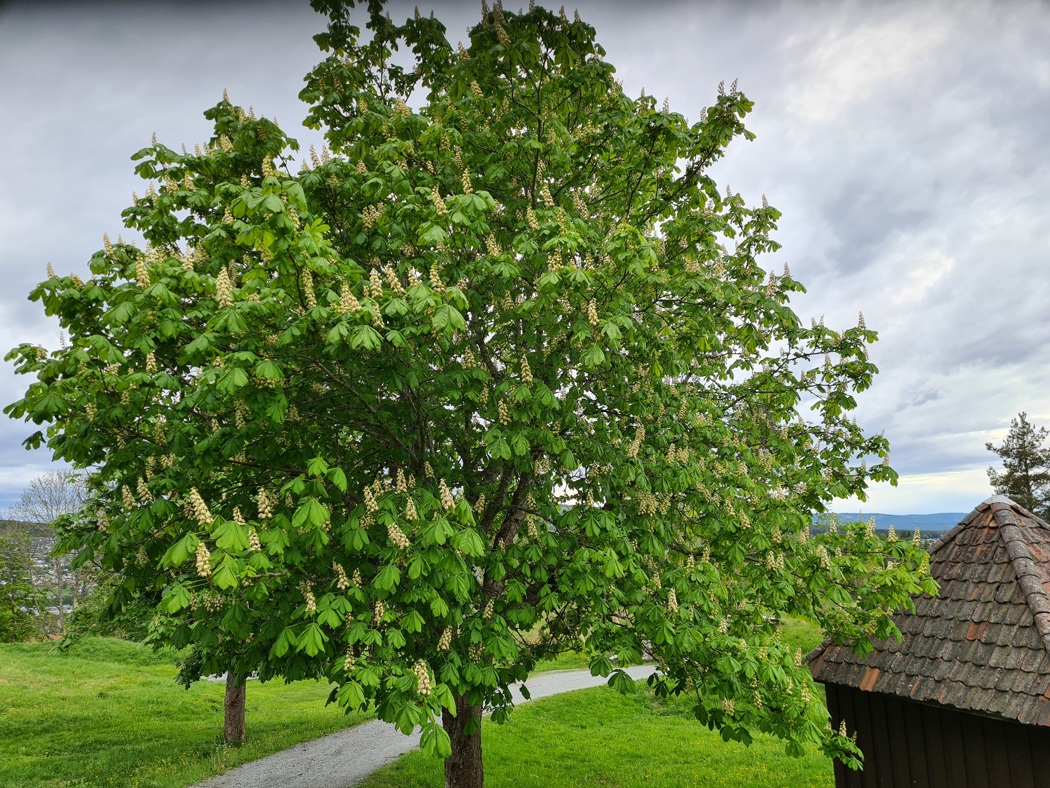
column 464, row 768
column 233, row 722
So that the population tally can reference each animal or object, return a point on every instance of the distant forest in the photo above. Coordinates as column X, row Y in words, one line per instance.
column 35, row 530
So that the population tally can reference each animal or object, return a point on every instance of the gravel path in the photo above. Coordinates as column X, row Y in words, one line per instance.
column 345, row 758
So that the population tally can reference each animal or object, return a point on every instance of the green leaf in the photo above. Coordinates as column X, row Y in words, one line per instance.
column 316, row 467
column 365, row 337
column 311, row 640
column 178, row 553
column 311, row 514
column 430, row 235
column 225, row 576
column 351, row 696
column 176, row 598
column 434, row 741
column 338, row 478
column 444, row 696
column 469, row 543
column 387, row 578
column 284, row 641
column 231, row 536
column 232, row 380
column 448, row 319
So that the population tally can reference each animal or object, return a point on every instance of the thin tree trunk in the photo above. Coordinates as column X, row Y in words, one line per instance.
column 60, row 584
column 463, row 768
column 233, row 722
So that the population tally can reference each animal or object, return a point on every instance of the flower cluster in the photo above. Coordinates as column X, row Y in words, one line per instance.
column 342, row 582
column 128, row 498
column 380, row 610
column 348, row 301
column 636, row 444
column 143, row 491
column 203, row 560
column 526, row 371
column 369, row 215
column 397, row 536
column 822, row 554
column 253, row 540
column 672, row 602
column 198, row 508
column 423, row 685
column 530, row 217
column 223, row 289
column 592, row 312
column 435, row 279
column 439, row 203
column 371, row 506
column 348, row 662
column 266, row 503
column 445, row 495
column 308, row 289
column 504, row 414
column 445, row 641
column 141, row 274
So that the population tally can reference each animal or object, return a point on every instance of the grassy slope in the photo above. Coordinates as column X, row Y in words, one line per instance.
column 109, row 713
column 65, row 721
column 598, row 737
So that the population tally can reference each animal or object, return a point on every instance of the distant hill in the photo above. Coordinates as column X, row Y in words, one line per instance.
column 943, row 521
column 37, row 530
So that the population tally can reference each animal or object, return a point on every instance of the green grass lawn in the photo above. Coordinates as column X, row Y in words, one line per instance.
column 597, row 737
column 109, row 713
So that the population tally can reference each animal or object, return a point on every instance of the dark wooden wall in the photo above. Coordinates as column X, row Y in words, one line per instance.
column 916, row 744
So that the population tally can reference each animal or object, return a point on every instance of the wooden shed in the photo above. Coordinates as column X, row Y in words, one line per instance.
column 963, row 701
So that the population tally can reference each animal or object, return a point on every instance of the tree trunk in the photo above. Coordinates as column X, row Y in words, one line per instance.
column 463, row 768
column 60, row 585
column 233, row 722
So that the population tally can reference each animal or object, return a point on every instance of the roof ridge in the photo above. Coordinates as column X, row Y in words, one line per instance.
column 1029, row 578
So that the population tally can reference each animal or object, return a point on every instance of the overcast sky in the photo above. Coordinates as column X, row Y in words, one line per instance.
column 906, row 144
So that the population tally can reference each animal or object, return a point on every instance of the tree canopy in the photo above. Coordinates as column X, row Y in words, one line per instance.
column 1025, row 477
column 497, row 375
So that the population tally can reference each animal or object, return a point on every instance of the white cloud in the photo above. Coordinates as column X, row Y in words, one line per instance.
column 855, row 59
column 952, row 491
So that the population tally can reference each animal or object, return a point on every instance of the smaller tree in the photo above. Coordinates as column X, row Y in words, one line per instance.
column 48, row 497
column 19, row 597
column 1025, row 477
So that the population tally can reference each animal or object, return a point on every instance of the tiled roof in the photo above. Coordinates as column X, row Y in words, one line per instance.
column 983, row 643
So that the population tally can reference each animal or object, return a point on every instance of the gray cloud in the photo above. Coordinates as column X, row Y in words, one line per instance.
column 905, row 144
